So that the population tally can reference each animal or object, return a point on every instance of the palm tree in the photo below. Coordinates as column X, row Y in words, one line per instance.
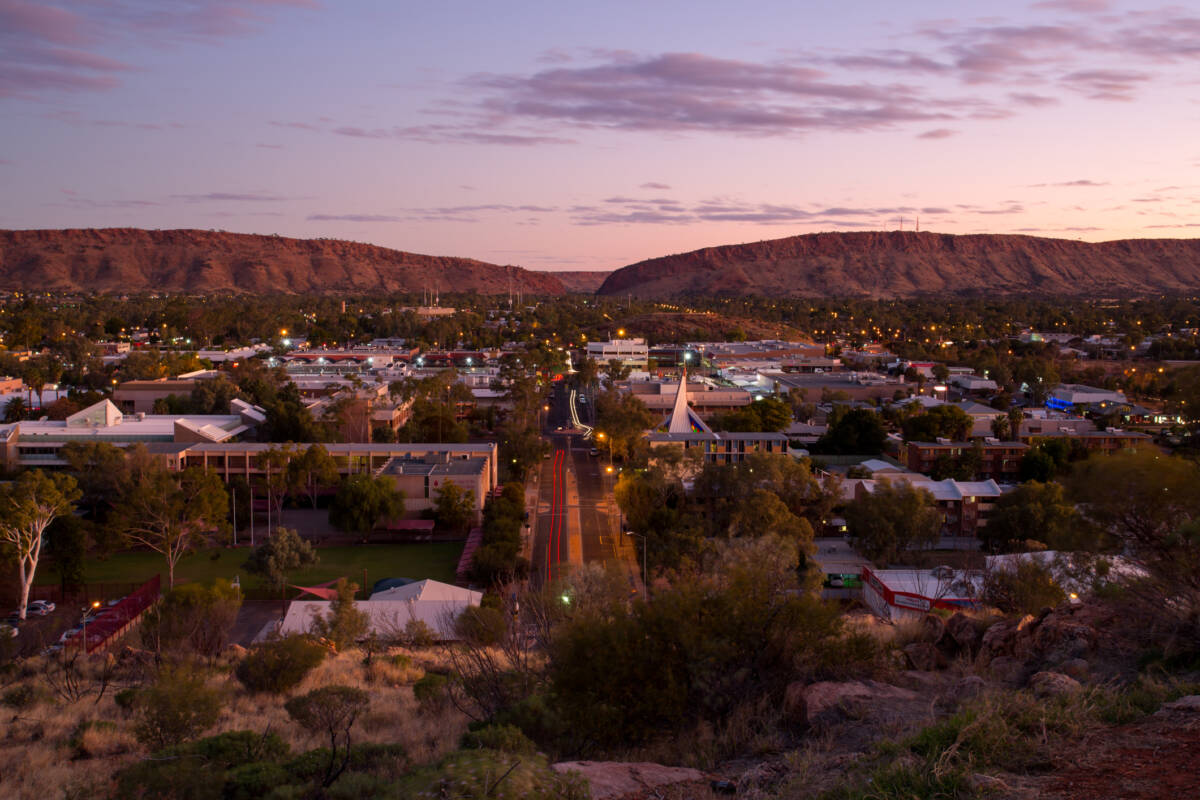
column 15, row 410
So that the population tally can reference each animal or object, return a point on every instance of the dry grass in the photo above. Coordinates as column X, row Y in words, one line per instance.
column 44, row 755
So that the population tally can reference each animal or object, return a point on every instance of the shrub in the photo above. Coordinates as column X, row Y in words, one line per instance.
column 279, row 665
column 345, row 624
column 418, row 634
column 126, row 700
column 236, row 748
column 505, row 738
column 19, row 697
column 333, row 711
column 1026, row 589
column 481, row 774
column 254, row 781
column 177, row 708
column 431, row 691
column 194, row 617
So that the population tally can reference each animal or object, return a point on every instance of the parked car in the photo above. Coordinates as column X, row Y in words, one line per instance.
column 594, row 451
column 9, row 631
column 40, row 607
column 13, row 620
column 69, row 634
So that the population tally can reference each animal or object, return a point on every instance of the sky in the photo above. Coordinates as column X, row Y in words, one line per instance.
column 591, row 135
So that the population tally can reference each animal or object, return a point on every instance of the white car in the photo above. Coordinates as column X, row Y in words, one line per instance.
column 40, row 607
column 10, row 631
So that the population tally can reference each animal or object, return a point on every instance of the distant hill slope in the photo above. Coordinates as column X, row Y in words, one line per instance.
column 134, row 260
column 898, row 264
column 582, row 281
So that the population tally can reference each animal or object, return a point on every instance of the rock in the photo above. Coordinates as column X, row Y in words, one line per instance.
column 962, row 629
column 1008, row 637
column 795, row 709
column 1053, row 684
column 828, row 696
column 925, row 656
column 1061, row 638
column 967, row 688
column 1077, row 668
column 932, row 628
column 1190, row 704
column 1007, row 669
column 612, row 779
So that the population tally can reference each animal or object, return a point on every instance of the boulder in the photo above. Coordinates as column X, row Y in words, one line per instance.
column 925, row 656
column 1061, row 638
column 967, row 688
column 1053, row 684
column 1189, row 704
column 795, row 708
column 1077, row 668
column 1007, row 669
column 932, row 628
column 1008, row 637
column 962, row 629
column 850, row 697
column 612, row 779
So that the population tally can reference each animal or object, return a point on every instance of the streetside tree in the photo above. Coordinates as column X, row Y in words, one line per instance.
column 1038, row 511
column 454, row 507
column 363, row 501
column 311, row 471
column 172, row 513
column 27, row 507
column 284, row 552
column 892, row 519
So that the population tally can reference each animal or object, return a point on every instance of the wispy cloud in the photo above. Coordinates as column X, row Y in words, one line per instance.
column 69, row 47
column 239, row 197
column 937, row 133
column 1082, row 182
column 655, row 185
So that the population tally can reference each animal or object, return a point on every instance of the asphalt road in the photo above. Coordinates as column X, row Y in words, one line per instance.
column 589, row 513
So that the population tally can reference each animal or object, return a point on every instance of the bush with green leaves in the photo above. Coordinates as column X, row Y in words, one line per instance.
column 178, row 707
column 1026, row 588
column 238, row 765
column 494, row 775
column 193, row 618
column 19, row 697
column 505, row 738
column 331, row 710
column 431, row 690
column 279, row 665
column 345, row 624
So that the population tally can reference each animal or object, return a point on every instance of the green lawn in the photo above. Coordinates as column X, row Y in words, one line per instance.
column 437, row 560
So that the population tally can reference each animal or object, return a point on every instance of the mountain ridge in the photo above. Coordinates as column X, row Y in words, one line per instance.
column 906, row 263
column 196, row 261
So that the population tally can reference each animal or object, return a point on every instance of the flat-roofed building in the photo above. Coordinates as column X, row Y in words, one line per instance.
column 423, row 478
column 234, row 459
column 630, row 352
column 998, row 460
column 37, row 443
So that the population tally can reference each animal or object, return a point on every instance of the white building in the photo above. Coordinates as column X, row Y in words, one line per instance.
column 431, row 602
column 630, row 352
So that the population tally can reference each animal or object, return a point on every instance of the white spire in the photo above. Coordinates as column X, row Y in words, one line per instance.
column 683, row 419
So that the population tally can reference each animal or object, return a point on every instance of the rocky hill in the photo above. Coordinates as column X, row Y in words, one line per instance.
column 133, row 260
column 899, row 264
column 582, row 281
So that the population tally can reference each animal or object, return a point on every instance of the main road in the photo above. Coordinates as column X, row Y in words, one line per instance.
column 577, row 520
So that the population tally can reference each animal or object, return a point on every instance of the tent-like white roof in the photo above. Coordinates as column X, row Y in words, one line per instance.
column 430, row 590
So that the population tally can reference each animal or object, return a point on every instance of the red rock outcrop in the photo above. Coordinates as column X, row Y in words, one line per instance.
column 130, row 260
column 900, row 264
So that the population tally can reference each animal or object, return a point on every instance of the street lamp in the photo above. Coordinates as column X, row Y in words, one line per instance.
column 645, row 577
column 83, row 634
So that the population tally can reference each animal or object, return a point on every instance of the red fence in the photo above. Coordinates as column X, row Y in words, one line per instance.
column 468, row 555
column 82, row 594
column 112, row 621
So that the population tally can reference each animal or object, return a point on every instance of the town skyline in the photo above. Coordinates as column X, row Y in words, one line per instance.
column 597, row 139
